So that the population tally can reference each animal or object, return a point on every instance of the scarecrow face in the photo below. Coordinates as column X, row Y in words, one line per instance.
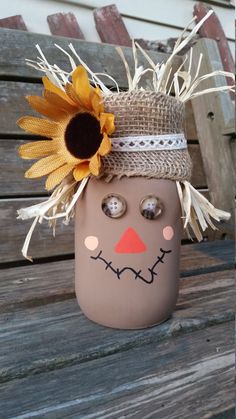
column 127, row 242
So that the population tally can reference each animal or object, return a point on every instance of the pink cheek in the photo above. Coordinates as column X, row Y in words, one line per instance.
column 168, row 233
column 91, row 242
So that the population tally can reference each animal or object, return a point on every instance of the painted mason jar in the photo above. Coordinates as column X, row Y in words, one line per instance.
column 119, row 163
column 128, row 223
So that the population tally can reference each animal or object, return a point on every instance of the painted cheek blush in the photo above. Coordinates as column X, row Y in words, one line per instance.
column 91, row 242
column 168, row 233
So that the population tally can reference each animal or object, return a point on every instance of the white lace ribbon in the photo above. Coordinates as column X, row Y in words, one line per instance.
column 149, row 142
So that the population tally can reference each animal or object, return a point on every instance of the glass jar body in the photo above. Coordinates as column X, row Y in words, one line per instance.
column 127, row 268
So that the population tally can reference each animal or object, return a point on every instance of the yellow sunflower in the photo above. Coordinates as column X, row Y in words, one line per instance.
column 78, row 130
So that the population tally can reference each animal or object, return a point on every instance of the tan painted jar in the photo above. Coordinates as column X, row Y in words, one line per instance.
column 126, row 261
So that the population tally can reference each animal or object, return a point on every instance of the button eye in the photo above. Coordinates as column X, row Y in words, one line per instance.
column 151, row 207
column 114, row 206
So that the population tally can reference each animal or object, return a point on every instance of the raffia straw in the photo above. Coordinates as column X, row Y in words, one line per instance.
column 197, row 210
column 59, row 205
column 162, row 72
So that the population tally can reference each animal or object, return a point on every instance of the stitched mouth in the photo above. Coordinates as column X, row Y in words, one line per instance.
column 137, row 274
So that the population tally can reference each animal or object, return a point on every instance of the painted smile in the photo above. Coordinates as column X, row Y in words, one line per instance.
column 137, row 274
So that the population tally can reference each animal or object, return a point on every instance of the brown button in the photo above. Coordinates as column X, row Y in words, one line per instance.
column 151, row 207
column 114, row 206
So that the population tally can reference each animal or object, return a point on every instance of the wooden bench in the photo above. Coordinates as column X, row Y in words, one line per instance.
column 53, row 361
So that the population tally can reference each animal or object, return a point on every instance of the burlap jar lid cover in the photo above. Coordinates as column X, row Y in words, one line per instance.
column 94, row 131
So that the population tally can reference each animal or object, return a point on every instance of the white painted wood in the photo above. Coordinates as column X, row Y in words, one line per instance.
column 175, row 14
column 35, row 12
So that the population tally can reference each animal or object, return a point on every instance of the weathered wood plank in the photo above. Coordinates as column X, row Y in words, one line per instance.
column 38, row 284
column 13, row 53
column 13, row 22
column 43, row 244
column 188, row 373
column 206, row 257
column 189, row 123
column 233, row 151
column 110, row 26
column 204, row 300
column 212, row 113
column 213, row 29
column 65, row 24
column 13, row 169
column 14, row 105
column 198, row 179
column 12, row 180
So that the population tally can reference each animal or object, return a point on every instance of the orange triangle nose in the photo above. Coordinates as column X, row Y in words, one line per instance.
column 130, row 242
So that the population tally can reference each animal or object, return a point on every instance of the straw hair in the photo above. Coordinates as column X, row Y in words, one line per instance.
column 141, row 113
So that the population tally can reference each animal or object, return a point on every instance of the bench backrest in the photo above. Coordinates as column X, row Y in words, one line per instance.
column 17, row 80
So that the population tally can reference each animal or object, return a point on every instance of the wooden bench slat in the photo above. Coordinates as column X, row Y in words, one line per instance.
column 188, row 373
column 37, row 284
column 43, row 244
column 212, row 114
column 70, row 338
column 13, row 182
column 213, row 29
column 13, row 53
column 65, row 24
column 110, row 26
column 13, row 22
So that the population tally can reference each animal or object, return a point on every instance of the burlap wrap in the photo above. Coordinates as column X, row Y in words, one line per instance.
column 146, row 113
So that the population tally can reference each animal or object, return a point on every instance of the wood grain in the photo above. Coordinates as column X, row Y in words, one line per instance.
column 213, row 29
column 70, row 338
column 169, row 379
column 43, row 244
column 189, row 123
column 13, row 54
column 13, row 182
column 13, row 22
column 110, row 26
column 65, row 24
column 212, row 113
column 14, row 105
column 39, row 284
column 233, row 151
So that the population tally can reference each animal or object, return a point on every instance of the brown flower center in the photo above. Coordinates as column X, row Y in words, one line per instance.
column 83, row 136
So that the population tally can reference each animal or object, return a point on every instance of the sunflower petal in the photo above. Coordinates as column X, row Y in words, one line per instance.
column 45, row 166
column 59, row 102
column 107, row 123
column 72, row 94
column 42, row 106
column 38, row 126
column 81, row 171
column 95, row 164
column 37, row 149
column 81, row 85
column 105, row 146
column 96, row 101
column 48, row 85
column 57, row 176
